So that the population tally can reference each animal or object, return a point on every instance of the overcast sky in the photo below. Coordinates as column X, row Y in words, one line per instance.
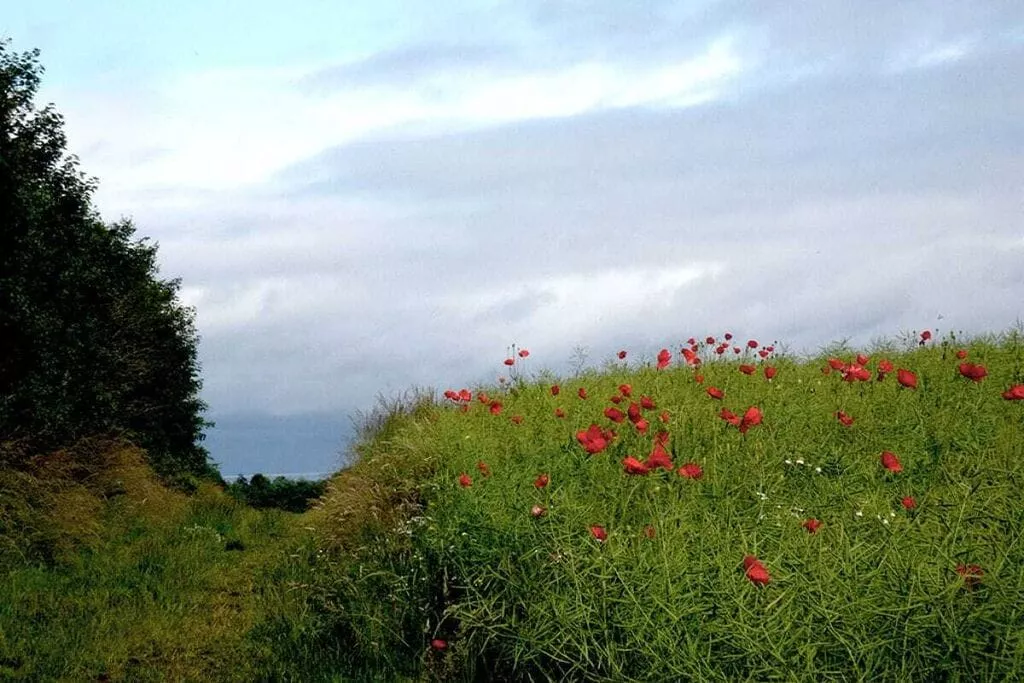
column 361, row 197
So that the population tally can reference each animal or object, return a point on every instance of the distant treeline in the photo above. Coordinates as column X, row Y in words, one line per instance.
column 293, row 495
column 92, row 339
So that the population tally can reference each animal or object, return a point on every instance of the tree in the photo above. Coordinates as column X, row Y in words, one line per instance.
column 91, row 339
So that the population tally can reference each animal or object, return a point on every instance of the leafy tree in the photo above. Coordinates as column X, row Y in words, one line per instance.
column 91, row 339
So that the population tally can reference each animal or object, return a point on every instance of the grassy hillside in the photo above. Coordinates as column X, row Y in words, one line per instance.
column 529, row 533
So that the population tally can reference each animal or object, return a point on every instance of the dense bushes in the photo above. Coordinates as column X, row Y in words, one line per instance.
column 292, row 495
column 91, row 339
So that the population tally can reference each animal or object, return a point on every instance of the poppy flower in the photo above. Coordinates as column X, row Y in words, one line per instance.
column 926, row 335
column 626, row 390
column 465, row 481
column 856, row 372
column 973, row 372
column 538, row 511
column 1014, row 393
column 642, row 425
column 691, row 357
column 483, row 398
column 764, row 353
column 845, row 419
column 691, row 470
column 484, row 469
column 648, row 531
column 664, row 358
column 664, row 416
column 748, row 369
column 836, row 364
column 884, row 366
column 862, row 359
column 961, row 354
column 582, row 393
column 721, row 349
column 634, row 411
column 594, row 439
column 730, row 417
column 523, row 353
column 812, row 525
column 599, row 533
column 616, row 399
column 510, row 361
column 518, row 419
column 661, row 437
column 698, row 378
column 737, row 350
column 970, row 573
column 541, row 481
column 751, row 418
column 908, row 502
column 614, row 414
column 555, row 390
column 906, row 378
column 465, row 395
column 770, row 371
column 439, row 644
column 752, row 344
column 659, row 457
column 495, row 407
column 709, row 341
column 756, row 571
column 559, row 412
column 891, row 462
column 647, row 403
column 716, row 393
column 634, row 466
column 621, row 355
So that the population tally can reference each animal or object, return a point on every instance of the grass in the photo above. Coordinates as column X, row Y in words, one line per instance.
column 402, row 572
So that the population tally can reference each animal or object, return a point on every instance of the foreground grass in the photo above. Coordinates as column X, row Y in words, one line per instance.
column 875, row 594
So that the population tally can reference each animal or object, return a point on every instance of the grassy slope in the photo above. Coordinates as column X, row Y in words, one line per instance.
column 874, row 594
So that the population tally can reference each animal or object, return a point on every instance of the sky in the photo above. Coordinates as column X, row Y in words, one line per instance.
column 361, row 198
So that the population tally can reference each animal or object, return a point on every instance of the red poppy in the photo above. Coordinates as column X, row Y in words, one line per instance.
column 691, row 357
column 961, row 354
column 884, row 366
column 523, row 353
column 599, row 533
column 510, row 361
column 730, row 417
column 616, row 399
column 747, row 369
column 770, row 371
column 626, row 390
column 970, row 573
column 692, row 341
column 582, row 393
column 594, row 439
column 664, row 416
column 891, row 462
column 764, row 353
column 614, row 414
column 862, row 359
column 728, row 336
column 622, row 355
column 756, row 571
column 484, row 469
column 438, row 644
column 649, row 531
column 518, row 419
column 541, row 481
column 1014, row 393
column 559, row 412
column 555, row 390
column 812, row 525
column 634, row 466
column 908, row 502
column 465, row 481
column 451, row 395
column 465, row 395
column 906, row 378
column 926, row 335
column 495, row 407
column 642, row 425
column 483, row 398
column 736, row 350
column 691, row 470
column 538, row 511
column 634, row 411
column 659, row 457
column 661, row 437
column 698, row 378
column 856, row 372
column 845, row 419
column 751, row 418
column 721, row 349
column 973, row 372
column 836, row 364
column 647, row 403
column 709, row 341
column 664, row 358
column 715, row 392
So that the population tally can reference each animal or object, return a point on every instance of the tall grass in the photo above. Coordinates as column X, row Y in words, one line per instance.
column 875, row 594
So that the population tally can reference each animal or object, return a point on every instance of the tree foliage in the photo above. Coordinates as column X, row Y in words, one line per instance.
column 293, row 495
column 92, row 340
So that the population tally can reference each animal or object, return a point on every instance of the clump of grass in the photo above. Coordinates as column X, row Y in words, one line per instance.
column 874, row 594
